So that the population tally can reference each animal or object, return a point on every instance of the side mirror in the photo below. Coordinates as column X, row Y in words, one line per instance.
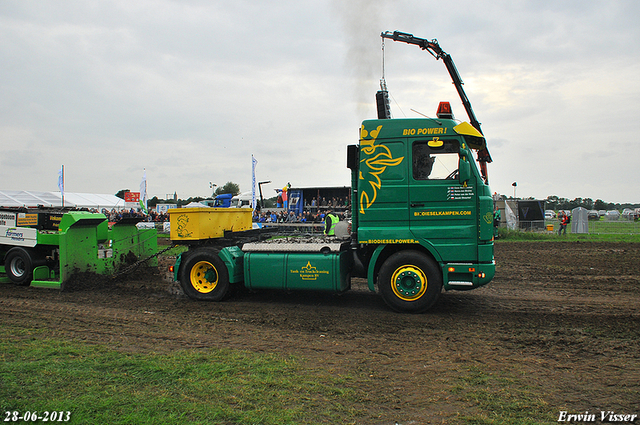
column 464, row 169
column 352, row 157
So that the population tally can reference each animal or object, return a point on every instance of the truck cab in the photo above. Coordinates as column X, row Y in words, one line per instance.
column 223, row 200
column 422, row 213
column 242, row 200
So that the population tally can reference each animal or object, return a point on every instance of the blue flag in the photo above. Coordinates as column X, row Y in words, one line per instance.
column 61, row 180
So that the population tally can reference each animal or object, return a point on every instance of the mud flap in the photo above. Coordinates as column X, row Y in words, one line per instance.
column 486, row 218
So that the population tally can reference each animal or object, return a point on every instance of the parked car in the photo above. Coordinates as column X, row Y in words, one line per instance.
column 593, row 215
column 549, row 214
column 629, row 214
column 612, row 215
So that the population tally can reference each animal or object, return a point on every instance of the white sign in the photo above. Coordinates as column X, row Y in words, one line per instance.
column 7, row 219
column 146, row 225
column 18, row 236
column 162, row 208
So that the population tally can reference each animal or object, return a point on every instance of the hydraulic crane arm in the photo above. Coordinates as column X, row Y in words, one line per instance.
column 434, row 49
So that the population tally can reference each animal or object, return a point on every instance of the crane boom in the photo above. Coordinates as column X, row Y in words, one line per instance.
column 436, row 51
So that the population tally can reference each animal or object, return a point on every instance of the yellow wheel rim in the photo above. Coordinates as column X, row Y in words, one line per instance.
column 409, row 283
column 204, row 277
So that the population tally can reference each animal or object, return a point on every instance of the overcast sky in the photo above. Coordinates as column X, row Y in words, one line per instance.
column 189, row 90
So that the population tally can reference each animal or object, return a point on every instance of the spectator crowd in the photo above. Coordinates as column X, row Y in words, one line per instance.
column 284, row 216
column 315, row 212
column 117, row 215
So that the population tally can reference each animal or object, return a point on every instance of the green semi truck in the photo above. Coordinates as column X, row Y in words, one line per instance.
column 421, row 222
column 45, row 247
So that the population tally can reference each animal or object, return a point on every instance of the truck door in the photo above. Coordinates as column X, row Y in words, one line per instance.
column 442, row 210
column 382, row 191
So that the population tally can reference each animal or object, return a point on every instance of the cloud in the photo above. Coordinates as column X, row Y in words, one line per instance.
column 190, row 89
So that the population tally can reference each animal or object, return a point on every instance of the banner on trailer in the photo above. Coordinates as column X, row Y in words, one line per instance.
column 18, row 236
column 7, row 219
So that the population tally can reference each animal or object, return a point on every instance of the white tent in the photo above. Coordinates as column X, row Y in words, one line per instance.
column 23, row 198
column 196, row 205
column 512, row 221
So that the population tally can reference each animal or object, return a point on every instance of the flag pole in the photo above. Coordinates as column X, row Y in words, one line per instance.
column 253, row 182
column 61, row 183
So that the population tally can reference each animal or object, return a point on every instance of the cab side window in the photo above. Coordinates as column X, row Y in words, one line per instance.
column 435, row 160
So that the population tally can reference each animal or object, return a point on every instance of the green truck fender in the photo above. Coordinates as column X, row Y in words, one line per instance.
column 232, row 257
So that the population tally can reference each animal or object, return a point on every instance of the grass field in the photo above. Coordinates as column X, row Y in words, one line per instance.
column 599, row 231
column 97, row 384
column 88, row 383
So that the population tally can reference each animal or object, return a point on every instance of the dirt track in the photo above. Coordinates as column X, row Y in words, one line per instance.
column 560, row 320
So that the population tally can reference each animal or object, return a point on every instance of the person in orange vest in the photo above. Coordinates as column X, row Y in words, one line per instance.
column 564, row 221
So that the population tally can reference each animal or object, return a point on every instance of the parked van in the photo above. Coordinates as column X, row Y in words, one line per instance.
column 242, row 201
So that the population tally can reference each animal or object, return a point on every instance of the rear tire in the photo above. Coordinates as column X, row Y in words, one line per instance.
column 204, row 276
column 19, row 266
column 410, row 282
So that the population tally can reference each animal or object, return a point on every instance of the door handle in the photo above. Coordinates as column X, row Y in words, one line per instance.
column 416, row 205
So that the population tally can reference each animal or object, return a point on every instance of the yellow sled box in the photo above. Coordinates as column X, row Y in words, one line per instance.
column 191, row 224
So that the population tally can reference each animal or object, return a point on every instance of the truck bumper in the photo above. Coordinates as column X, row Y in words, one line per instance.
column 467, row 276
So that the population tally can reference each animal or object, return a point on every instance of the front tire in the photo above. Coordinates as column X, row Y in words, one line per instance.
column 18, row 266
column 410, row 282
column 204, row 276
